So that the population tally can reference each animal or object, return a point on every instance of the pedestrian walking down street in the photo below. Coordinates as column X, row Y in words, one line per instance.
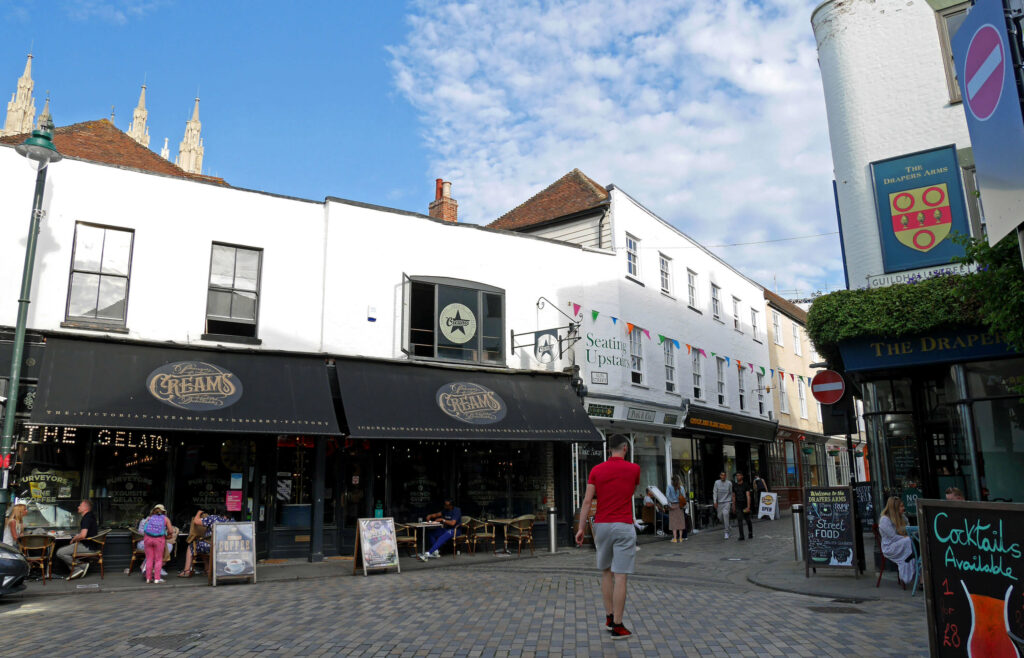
column 741, row 501
column 721, row 495
column 613, row 483
column 676, row 501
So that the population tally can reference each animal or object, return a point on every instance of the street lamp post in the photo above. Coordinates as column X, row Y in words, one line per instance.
column 39, row 148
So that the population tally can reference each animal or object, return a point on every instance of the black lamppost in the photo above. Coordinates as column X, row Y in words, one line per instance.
column 40, row 149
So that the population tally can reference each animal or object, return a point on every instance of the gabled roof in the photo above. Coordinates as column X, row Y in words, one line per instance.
column 570, row 194
column 101, row 141
column 786, row 306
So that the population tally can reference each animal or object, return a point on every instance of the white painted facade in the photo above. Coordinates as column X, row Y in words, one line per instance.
column 886, row 95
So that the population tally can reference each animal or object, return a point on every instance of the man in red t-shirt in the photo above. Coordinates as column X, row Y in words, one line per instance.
column 613, row 484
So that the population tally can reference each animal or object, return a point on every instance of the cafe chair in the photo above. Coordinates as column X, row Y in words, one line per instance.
column 405, row 535
column 881, row 567
column 461, row 537
column 521, row 531
column 137, row 553
column 38, row 552
column 99, row 538
column 481, row 532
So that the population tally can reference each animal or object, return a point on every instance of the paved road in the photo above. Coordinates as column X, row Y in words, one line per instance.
column 688, row 599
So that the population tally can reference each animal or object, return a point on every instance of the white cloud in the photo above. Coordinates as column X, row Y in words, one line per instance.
column 118, row 12
column 710, row 113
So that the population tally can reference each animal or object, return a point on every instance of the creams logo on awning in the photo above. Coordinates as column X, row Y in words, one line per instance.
column 471, row 403
column 194, row 385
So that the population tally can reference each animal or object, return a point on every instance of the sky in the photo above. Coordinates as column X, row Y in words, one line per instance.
column 711, row 114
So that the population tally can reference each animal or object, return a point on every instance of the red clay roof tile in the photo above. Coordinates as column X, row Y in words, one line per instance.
column 570, row 194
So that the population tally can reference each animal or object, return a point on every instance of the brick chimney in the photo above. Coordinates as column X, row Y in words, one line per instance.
column 444, row 206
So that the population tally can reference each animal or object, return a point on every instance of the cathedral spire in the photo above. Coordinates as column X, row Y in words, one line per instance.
column 190, row 151
column 21, row 110
column 45, row 119
column 137, row 129
column 165, row 152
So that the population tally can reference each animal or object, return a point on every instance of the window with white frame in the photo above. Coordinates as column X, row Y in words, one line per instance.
column 783, row 394
column 636, row 355
column 797, row 344
column 949, row 21
column 632, row 256
column 232, row 302
column 100, row 268
column 670, row 365
column 665, row 265
column 777, row 327
column 691, row 288
column 742, row 393
column 801, row 393
column 755, row 324
column 720, row 372
column 716, row 302
column 698, row 391
column 736, row 314
column 760, row 393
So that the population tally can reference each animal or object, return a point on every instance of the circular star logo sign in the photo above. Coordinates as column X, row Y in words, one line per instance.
column 457, row 322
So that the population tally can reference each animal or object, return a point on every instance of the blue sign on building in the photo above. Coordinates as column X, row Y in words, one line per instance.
column 919, row 200
column 949, row 346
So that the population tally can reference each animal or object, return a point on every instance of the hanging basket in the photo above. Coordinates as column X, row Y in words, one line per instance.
column 833, row 453
column 807, row 451
column 859, row 453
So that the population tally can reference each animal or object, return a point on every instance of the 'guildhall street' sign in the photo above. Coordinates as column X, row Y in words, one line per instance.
column 471, row 403
column 194, row 385
column 919, row 201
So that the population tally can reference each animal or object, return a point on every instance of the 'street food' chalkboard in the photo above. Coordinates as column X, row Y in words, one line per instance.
column 828, row 528
column 973, row 559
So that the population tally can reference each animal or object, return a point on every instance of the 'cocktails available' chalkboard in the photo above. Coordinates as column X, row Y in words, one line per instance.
column 973, row 559
column 829, row 528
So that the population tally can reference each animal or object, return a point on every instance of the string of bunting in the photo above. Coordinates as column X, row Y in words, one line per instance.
column 740, row 365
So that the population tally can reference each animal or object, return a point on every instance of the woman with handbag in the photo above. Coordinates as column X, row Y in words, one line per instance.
column 676, row 500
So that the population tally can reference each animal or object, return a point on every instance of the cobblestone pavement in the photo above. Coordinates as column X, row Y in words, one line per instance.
column 690, row 599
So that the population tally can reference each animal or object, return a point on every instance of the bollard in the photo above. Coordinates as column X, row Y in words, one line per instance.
column 552, row 530
column 798, row 532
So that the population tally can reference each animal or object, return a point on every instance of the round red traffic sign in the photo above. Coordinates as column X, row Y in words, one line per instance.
column 828, row 387
column 984, row 68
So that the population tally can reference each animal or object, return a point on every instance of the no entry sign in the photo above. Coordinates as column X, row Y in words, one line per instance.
column 985, row 69
column 828, row 387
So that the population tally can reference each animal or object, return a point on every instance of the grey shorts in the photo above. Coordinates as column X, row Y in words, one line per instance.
column 616, row 546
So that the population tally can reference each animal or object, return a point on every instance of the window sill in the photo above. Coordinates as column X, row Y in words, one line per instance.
column 665, row 293
column 717, row 319
column 674, row 394
column 739, row 331
column 694, row 309
column 228, row 338
column 630, row 277
column 94, row 326
column 643, row 386
column 758, row 341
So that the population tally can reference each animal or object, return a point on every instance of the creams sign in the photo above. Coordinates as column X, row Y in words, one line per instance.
column 194, row 386
column 471, row 403
column 457, row 323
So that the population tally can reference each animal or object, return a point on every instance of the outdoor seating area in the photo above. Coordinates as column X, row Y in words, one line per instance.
column 472, row 533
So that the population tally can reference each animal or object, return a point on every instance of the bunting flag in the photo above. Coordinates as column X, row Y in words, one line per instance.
column 647, row 333
column 661, row 339
column 614, row 319
column 727, row 362
column 629, row 327
column 594, row 315
column 791, row 377
column 702, row 353
column 714, row 354
column 762, row 371
column 739, row 364
column 675, row 342
column 688, row 348
column 772, row 376
column 575, row 310
column 751, row 367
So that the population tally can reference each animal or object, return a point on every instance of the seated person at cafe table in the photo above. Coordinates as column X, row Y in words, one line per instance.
column 89, row 528
column 450, row 518
column 199, row 539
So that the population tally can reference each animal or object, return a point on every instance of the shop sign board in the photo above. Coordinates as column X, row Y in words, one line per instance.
column 768, row 505
column 920, row 204
column 983, row 59
column 233, row 550
column 641, row 415
column 828, row 387
column 966, row 344
column 829, row 528
column 972, row 559
column 865, row 503
column 376, row 545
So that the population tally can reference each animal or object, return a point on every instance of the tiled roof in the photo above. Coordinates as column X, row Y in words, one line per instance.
column 786, row 306
column 570, row 194
column 101, row 141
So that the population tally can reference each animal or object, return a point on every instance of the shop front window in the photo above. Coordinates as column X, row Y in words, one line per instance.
column 682, row 463
column 296, row 462
column 999, row 426
column 791, row 476
column 130, row 474
column 649, row 453
column 50, row 475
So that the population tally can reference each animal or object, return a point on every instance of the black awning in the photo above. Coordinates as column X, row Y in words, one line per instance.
column 401, row 400
column 731, row 425
column 97, row 384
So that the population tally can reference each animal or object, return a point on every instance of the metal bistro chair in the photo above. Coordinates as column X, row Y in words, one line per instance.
column 38, row 552
column 405, row 535
column 461, row 537
column 99, row 538
column 481, row 532
column 521, row 531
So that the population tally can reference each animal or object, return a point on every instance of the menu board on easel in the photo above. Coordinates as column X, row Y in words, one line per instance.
column 233, row 550
column 829, row 529
column 973, row 559
column 376, row 545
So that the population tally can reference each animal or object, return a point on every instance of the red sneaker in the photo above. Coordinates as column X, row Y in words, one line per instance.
column 620, row 632
column 609, row 622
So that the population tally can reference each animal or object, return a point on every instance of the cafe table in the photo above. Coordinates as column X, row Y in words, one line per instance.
column 422, row 527
column 504, row 523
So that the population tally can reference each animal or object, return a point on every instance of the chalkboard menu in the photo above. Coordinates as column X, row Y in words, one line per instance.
column 233, row 550
column 865, row 504
column 829, row 528
column 973, row 560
